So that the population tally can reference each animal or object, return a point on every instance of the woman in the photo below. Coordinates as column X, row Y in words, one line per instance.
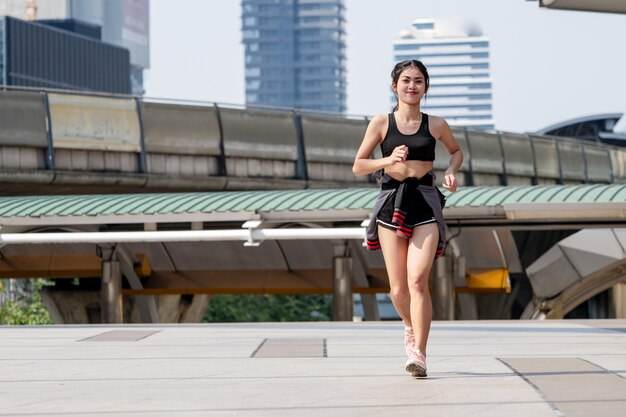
column 407, row 221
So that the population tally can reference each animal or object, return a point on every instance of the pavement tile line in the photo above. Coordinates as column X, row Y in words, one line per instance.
column 612, row 329
column 120, row 336
column 258, row 348
column 577, row 387
column 543, row 396
column 617, row 374
column 291, row 348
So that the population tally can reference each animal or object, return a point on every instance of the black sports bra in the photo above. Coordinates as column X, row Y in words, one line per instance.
column 421, row 144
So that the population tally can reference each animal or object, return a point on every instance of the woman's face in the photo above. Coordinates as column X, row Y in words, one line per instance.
column 411, row 86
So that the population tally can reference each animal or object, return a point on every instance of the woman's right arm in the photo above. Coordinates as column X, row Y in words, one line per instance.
column 363, row 164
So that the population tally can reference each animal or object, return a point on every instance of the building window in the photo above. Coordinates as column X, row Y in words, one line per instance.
column 424, row 26
column 253, row 84
column 253, row 72
column 251, row 34
column 406, row 47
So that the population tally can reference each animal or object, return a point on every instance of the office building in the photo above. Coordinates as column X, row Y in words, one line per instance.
column 456, row 55
column 295, row 53
column 79, row 62
column 124, row 23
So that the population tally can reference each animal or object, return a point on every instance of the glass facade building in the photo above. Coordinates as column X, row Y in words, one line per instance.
column 457, row 58
column 124, row 23
column 79, row 62
column 295, row 53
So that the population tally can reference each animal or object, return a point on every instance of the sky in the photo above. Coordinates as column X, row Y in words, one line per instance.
column 547, row 65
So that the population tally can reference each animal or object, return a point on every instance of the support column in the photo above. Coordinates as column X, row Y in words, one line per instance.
column 359, row 274
column 465, row 302
column 370, row 307
column 618, row 301
column 146, row 303
column 342, row 285
column 111, row 292
column 443, row 300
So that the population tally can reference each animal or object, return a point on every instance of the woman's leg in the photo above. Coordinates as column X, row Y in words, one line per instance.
column 395, row 254
column 421, row 253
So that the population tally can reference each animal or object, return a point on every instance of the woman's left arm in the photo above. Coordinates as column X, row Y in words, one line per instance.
column 442, row 132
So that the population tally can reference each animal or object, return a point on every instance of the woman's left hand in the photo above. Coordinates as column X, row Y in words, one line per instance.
column 450, row 182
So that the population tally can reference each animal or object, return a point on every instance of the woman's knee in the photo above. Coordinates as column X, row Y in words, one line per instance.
column 399, row 293
column 418, row 283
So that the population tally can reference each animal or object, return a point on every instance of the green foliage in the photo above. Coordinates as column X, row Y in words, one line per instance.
column 263, row 308
column 26, row 309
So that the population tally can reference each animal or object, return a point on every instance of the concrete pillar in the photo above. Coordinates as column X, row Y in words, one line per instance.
column 618, row 301
column 466, row 303
column 443, row 300
column 370, row 307
column 359, row 275
column 111, row 292
column 342, row 289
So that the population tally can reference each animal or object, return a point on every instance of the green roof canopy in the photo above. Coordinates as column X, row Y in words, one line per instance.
column 314, row 204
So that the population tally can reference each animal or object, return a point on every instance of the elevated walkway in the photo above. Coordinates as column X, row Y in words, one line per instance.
column 56, row 142
column 499, row 369
column 288, row 241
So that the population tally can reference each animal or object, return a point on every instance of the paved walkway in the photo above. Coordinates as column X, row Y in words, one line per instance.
column 503, row 368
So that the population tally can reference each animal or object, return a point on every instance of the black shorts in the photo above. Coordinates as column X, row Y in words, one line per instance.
column 418, row 213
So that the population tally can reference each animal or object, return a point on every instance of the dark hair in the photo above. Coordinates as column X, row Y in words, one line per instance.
column 401, row 66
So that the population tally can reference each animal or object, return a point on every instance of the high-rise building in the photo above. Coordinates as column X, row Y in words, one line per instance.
column 457, row 58
column 295, row 53
column 124, row 23
column 80, row 62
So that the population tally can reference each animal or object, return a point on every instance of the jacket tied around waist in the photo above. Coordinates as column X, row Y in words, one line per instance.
column 401, row 192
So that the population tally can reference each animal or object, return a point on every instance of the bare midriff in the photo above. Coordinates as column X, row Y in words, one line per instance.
column 402, row 170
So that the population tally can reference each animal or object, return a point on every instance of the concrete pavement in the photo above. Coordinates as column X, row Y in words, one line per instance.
column 497, row 368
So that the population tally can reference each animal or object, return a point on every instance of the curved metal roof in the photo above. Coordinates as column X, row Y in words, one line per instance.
column 176, row 203
column 577, row 120
column 350, row 203
column 606, row 6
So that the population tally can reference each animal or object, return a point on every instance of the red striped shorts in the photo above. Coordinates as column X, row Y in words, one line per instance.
column 403, row 222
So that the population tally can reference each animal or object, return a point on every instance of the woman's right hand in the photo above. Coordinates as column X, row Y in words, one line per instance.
column 399, row 154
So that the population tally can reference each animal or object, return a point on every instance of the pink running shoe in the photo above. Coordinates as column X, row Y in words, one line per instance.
column 416, row 364
column 409, row 340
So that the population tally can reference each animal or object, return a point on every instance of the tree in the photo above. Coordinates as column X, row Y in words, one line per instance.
column 27, row 307
column 262, row 308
